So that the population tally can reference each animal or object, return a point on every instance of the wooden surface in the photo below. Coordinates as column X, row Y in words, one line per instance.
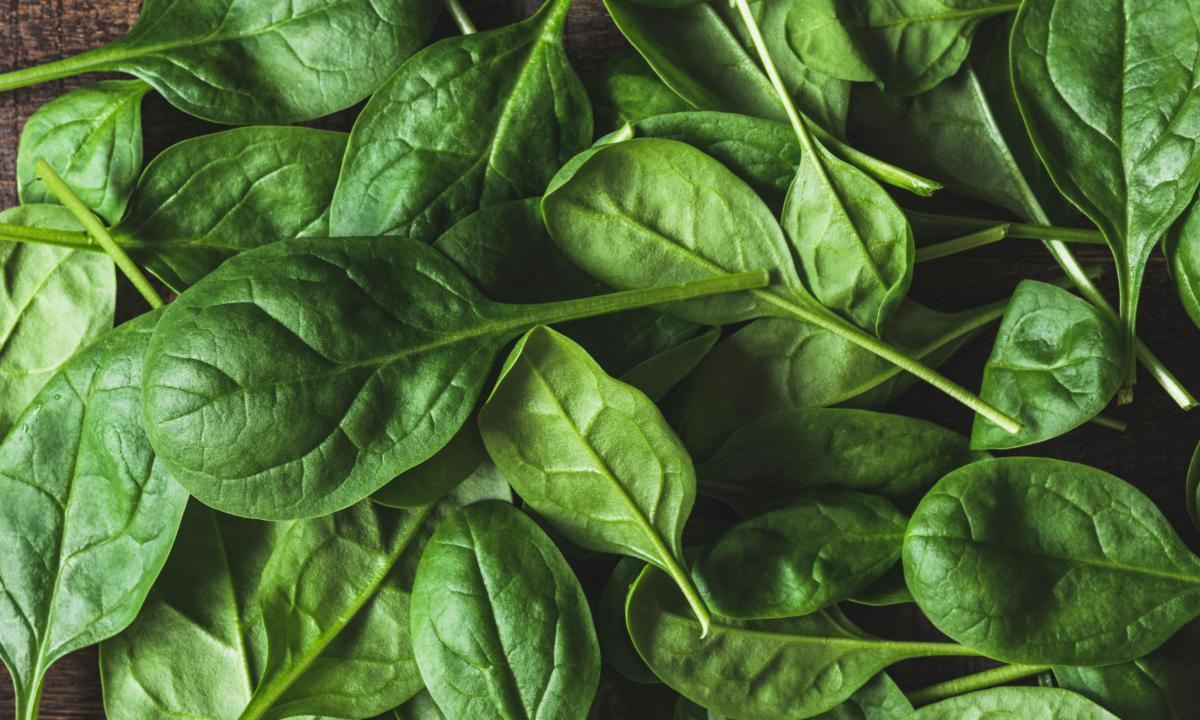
column 1153, row 453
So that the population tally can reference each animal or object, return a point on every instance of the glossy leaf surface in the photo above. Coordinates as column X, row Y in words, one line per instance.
column 1015, row 703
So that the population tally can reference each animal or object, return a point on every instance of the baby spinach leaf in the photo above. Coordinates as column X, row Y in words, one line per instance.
column 801, row 558
column 1192, row 490
column 615, row 645
column 54, row 302
column 469, row 122
column 879, row 699
column 500, row 625
column 1040, row 561
column 88, row 513
column 855, row 247
column 780, row 455
column 1054, row 365
column 907, row 46
column 1159, row 686
column 420, row 707
column 778, row 364
column 93, row 137
column 1182, row 248
column 286, row 619
column 759, row 669
column 1110, row 120
column 628, row 194
column 441, row 473
column 626, row 90
column 703, row 53
column 268, row 61
column 656, row 375
column 1015, row 703
column 591, row 455
column 268, row 399
column 888, row 590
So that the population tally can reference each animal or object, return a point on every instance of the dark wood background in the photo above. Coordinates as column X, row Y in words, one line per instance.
column 1153, row 453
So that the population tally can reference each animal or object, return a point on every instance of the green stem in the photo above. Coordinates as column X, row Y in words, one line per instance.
column 41, row 236
column 564, row 310
column 1127, row 290
column 962, row 244
column 882, row 171
column 970, row 683
column 1017, row 231
column 1112, row 423
column 90, row 61
column 694, row 601
column 98, row 232
column 461, row 18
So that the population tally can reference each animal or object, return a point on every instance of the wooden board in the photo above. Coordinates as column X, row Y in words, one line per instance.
column 1154, row 453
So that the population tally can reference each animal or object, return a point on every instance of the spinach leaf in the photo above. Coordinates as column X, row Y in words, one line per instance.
column 703, row 53
column 54, row 302
column 500, row 626
column 93, row 137
column 620, row 699
column 626, row 90
column 591, row 455
column 1040, row 561
column 1015, row 703
column 855, row 247
column 880, row 699
column 1159, row 686
column 627, row 193
column 1192, row 488
column 888, row 590
column 759, row 669
column 1054, row 366
column 800, row 558
column 283, row 619
column 780, row 455
column 469, row 122
column 442, row 472
column 420, row 707
column 777, row 364
column 656, row 375
column 88, row 513
column 1182, row 248
column 270, row 399
column 1076, row 97
column 234, row 62
column 615, row 645
column 906, row 46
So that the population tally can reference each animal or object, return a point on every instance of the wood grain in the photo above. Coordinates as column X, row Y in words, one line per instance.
column 1153, row 454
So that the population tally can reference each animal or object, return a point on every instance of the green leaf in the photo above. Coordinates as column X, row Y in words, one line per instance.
column 268, row 399
column 1159, row 686
column 888, row 590
column 800, row 558
column 620, row 699
column 445, row 470
column 1182, row 248
column 880, row 699
column 907, row 46
column 1111, row 120
column 590, row 454
column 420, row 707
column 778, row 364
column 615, row 645
column 1041, row 561
column 500, row 625
column 1015, row 703
column 775, row 457
column 231, row 62
column 92, row 136
column 760, row 669
column 626, row 90
column 88, row 513
column 54, row 302
column 855, row 247
column 703, row 53
column 469, row 122
column 276, row 620
column 206, row 199
column 1192, row 489
column 1055, row 365
column 656, row 375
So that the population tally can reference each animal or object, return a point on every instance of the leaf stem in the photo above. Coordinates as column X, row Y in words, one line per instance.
column 89, row 61
column 461, row 18
column 98, row 232
column 882, row 171
column 41, row 236
column 694, row 601
column 1017, row 231
column 564, row 310
column 962, row 244
column 1128, row 292
column 970, row 683
column 1112, row 423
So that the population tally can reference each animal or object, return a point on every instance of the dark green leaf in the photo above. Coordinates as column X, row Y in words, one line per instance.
column 1192, row 488
column 907, row 46
column 267, row 61
column 775, row 457
column 501, row 628
column 92, row 137
column 1182, row 248
column 1160, row 686
column 656, row 375
column 801, row 558
column 615, row 646
column 626, row 90
column 620, row 699
column 1041, row 561
column 54, row 302
column 888, row 590
column 469, row 122
column 88, row 513
column 590, row 454
column 879, row 699
column 420, row 707
column 445, row 470
column 762, row 669
column 1015, row 703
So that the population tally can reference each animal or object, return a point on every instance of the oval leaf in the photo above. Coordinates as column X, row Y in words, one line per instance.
column 1015, row 703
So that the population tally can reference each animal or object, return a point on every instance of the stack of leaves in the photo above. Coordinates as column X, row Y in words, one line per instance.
column 530, row 399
